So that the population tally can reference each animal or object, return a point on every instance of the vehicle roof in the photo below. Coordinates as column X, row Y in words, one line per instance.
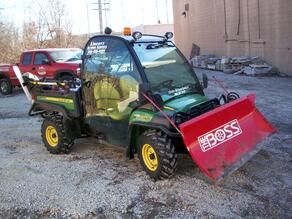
column 145, row 38
column 52, row 49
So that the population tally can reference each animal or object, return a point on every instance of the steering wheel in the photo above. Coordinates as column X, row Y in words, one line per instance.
column 163, row 84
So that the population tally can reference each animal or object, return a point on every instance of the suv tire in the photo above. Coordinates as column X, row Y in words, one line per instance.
column 5, row 86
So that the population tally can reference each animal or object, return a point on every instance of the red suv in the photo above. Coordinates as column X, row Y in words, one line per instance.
column 59, row 64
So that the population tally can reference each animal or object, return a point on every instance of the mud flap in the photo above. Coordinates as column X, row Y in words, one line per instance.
column 223, row 139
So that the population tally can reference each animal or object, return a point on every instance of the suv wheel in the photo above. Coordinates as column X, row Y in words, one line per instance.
column 157, row 154
column 5, row 86
column 66, row 78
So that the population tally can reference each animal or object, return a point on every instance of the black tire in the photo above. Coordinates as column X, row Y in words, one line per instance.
column 164, row 153
column 63, row 141
column 5, row 86
column 66, row 78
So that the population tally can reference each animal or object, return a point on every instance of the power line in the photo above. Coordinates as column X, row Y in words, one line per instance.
column 8, row 7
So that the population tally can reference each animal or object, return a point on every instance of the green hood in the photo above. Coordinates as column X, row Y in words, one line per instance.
column 184, row 103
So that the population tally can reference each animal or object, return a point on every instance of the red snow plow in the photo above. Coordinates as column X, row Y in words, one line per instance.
column 227, row 137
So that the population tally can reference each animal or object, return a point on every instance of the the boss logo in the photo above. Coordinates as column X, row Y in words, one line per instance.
column 219, row 135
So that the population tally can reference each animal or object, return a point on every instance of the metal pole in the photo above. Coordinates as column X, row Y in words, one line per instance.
column 167, row 17
column 259, row 20
column 105, row 17
column 106, row 9
column 100, row 17
column 157, row 13
column 123, row 12
column 88, row 25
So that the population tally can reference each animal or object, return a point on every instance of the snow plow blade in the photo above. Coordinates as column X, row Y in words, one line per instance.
column 222, row 140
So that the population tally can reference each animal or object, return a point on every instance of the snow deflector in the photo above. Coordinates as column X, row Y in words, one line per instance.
column 222, row 140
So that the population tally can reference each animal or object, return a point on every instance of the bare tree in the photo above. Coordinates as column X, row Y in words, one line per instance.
column 9, row 43
column 29, row 35
column 50, row 27
column 53, row 24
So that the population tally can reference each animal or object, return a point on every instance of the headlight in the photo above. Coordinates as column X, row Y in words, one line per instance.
column 137, row 35
column 168, row 35
column 178, row 120
column 78, row 71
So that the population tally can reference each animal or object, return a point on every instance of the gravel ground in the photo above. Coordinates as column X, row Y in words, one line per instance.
column 95, row 180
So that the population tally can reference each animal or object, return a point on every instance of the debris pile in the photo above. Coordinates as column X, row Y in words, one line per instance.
column 252, row 66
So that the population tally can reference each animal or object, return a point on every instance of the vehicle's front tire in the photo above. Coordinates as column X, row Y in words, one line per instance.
column 55, row 135
column 5, row 86
column 157, row 154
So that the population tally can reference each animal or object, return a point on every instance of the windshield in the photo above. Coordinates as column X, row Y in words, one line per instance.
column 68, row 55
column 166, row 70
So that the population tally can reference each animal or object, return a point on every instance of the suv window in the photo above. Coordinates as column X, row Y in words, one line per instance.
column 26, row 59
column 39, row 57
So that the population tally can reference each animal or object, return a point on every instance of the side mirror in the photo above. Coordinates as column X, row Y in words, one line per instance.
column 46, row 62
column 157, row 99
column 205, row 81
column 143, row 89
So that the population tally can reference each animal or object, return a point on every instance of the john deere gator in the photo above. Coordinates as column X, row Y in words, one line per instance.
column 139, row 92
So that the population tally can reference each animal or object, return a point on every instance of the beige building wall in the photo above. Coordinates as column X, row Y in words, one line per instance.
column 237, row 28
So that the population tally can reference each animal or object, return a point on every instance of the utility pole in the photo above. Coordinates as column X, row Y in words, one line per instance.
column 102, row 7
column 99, row 9
column 88, row 25
column 123, row 13
column 157, row 13
column 106, row 9
column 166, row 5
column 100, row 17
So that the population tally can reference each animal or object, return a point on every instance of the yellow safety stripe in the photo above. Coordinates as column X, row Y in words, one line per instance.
column 47, row 83
column 55, row 99
column 168, row 108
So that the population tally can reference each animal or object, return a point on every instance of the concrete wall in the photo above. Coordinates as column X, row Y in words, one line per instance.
column 156, row 29
column 250, row 28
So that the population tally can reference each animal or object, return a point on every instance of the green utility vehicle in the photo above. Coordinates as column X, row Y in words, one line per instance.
column 135, row 92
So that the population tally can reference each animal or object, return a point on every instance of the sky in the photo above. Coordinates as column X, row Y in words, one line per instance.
column 123, row 13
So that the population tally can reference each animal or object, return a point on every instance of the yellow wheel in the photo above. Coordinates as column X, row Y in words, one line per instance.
column 52, row 136
column 56, row 136
column 157, row 154
column 150, row 157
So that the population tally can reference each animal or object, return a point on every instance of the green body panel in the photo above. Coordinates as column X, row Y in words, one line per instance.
column 180, row 104
column 184, row 103
column 141, row 115
column 66, row 102
column 156, row 119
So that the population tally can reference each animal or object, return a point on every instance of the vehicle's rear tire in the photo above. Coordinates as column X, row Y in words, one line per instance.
column 157, row 154
column 55, row 135
column 66, row 78
column 5, row 86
